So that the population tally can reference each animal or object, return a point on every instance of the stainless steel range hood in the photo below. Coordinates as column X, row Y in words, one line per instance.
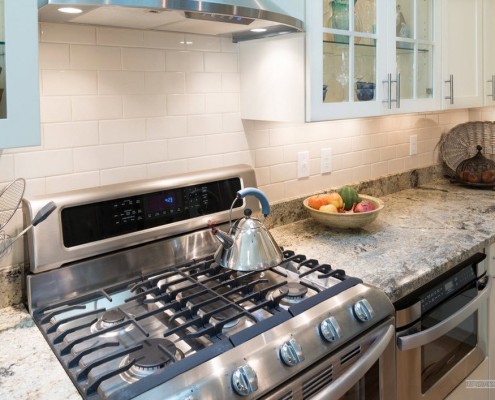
column 211, row 17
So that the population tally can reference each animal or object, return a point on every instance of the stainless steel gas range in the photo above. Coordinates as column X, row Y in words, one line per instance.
column 123, row 284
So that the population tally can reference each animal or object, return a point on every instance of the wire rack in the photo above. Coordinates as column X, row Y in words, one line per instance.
column 461, row 141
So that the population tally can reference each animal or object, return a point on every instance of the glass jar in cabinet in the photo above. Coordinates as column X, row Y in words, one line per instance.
column 19, row 87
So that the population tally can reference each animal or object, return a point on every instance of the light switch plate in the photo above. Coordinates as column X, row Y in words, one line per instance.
column 302, row 164
column 326, row 160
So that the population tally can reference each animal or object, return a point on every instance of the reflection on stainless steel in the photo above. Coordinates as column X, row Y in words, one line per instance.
column 158, row 315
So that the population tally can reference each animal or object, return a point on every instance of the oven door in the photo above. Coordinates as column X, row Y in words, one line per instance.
column 362, row 370
column 438, row 352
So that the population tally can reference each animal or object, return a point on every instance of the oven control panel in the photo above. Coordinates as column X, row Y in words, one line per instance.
column 101, row 220
column 446, row 288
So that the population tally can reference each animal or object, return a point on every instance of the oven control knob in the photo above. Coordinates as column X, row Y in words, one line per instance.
column 244, row 380
column 363, row 310
column 291, row 353
column 330, row 329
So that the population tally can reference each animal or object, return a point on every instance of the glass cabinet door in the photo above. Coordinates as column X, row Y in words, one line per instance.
column 19, row 86
column 415, row 48
column 349, row 50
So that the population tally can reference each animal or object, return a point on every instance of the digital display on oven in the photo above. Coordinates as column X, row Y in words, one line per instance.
column 162, row 203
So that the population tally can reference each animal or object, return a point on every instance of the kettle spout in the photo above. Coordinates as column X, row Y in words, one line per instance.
column 224, row 238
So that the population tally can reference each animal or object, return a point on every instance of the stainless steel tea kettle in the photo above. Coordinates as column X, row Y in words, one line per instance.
column 248, row 246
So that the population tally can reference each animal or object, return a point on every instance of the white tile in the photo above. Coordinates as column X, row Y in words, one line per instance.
column 67, row 82
column 184, row 61
column 95, row 158
column 226, row 142
column 167, row 168
column 35, row 187
column 54, row 56
column 96, row 107
column 221, row 62
column 138, row 59
column 269, row 156
column 283, row 172
column 136, row 106
column 204, row 124
column 95, row 57
column 231, row 82
column 258, row 139
column 164, row 40
column 71, row 134
column 119, row 37
column 239, row 157
column 227, row 45
column 206, row 162
column 125, row 174
column 43, row 163
column 145, row 152
column 232, row 123
column 121, row 82
column 222, row 103
column 122, row 130
column 63, row 183
column 262, row 176
column 67, row 33
column 186, row 104
column 6, row 168
column 199, row 82
column 203, row 42
column 55, row 109
column 166, row 127
column 186, row 147
column 165, row 82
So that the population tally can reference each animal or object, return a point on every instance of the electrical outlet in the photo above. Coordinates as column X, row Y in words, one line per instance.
column 302, row 164
column 326, row 160
column 413, row 145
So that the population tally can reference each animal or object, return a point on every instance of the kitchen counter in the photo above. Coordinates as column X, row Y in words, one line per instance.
column 28, row 368
column 420, row 233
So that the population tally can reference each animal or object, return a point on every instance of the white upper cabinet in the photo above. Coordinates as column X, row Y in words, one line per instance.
column 489, row 51
column 372, row 57
column 362, row 58
column 19, row 87
column 462, row 53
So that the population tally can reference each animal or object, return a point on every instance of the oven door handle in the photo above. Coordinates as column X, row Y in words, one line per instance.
column 348, row 379
column 419, row 339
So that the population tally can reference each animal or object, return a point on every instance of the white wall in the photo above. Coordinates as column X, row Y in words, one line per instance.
column 120, row 105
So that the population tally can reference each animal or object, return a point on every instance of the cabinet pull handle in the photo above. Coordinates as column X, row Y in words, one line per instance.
column 451, row 87
column 397, row 90
column 492, row 81
column 389, row 82
column 389, row 90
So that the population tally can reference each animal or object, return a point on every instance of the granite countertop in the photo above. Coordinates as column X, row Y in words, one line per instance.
column 420, row 233
column 28, row 368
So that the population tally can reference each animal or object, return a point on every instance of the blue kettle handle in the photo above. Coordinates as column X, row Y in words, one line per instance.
column 249, row 191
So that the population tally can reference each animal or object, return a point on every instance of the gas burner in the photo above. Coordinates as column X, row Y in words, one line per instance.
column 154, row 355
column 111, row 318
column 295, row 293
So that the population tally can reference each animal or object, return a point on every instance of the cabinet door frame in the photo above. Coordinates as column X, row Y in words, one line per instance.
column 451, row 62
column 415, row 104
column 22, row 126
column 488, row 52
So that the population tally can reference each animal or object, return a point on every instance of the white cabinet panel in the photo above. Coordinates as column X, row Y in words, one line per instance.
column 489, row 51
column 462, row 53
column 20, row 123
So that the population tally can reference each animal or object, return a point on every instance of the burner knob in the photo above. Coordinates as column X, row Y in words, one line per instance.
column 330, row 329
column 244, row 380
column 291, row 353
column 363, row 310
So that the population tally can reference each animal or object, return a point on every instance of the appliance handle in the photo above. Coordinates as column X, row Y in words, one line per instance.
column 419, row 339
column 348, row 379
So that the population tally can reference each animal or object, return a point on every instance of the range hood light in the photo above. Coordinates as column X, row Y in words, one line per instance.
column 70, row 10
column 258, row 30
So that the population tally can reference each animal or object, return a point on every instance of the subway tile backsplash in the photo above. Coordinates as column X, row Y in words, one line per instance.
column 123, row 104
